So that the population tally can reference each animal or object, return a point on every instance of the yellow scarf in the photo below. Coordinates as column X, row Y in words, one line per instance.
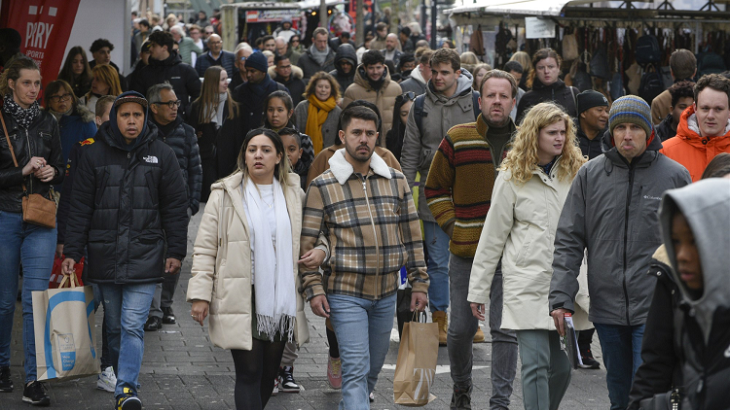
column 318, row 112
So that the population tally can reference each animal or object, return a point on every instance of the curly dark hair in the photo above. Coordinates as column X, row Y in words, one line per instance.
column 681, row 89
column 100, row 43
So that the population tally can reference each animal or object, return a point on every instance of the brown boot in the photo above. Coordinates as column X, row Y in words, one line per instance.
column 479, row 337
column 443, row 321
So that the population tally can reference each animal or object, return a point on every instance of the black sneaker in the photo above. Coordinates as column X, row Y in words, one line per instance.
column 35, row 394
column 587, row 358
column 168, row 317
column 589, row 362
column 461, row 398
column 129, row 402
column 287, row 383
column 153, row 324
column 6, row 384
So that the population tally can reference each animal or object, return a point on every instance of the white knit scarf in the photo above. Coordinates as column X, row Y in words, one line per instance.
column 276, row 306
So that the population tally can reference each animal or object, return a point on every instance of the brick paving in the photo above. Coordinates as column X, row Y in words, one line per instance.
column 182, row 370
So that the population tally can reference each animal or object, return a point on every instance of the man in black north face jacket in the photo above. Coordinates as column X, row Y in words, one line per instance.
column 129, row 206
column 184, row 142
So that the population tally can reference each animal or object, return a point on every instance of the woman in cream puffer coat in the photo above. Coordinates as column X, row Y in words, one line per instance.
column 226, row 281
column 519, row 230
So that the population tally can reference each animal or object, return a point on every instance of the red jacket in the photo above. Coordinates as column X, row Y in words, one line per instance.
column 690, row 149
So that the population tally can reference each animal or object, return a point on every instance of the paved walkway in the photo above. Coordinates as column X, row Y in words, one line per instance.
column 182, row 370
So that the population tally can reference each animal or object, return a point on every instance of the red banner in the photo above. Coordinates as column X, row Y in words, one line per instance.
column 44, row 27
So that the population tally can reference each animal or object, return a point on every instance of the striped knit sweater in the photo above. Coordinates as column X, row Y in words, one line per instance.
column 459, row 185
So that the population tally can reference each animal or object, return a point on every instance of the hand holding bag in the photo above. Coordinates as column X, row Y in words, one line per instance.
column 37, row 210
column 65, row 339
column 416, row 366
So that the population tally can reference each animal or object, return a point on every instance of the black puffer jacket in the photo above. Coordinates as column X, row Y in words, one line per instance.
column 557, row 92
column 184, row 143
column 183, row 78
column 126, row 206
column 664, row 130
column 344, row 53
column 43, row 139
column 590, row 148
column 659, row 371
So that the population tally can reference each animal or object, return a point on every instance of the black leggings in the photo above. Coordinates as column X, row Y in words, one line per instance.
column 334, row 346
column 256, row 370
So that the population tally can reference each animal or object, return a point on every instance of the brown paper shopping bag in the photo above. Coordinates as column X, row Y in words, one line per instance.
column 63, row 321
column 416, row 366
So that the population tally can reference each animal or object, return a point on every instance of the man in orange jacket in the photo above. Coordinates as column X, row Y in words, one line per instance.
column 704, row 128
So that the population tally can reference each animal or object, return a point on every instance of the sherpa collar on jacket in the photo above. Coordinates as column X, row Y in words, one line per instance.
column 342, row 170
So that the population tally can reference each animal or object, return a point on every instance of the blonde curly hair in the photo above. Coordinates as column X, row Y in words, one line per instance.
column 522, row 158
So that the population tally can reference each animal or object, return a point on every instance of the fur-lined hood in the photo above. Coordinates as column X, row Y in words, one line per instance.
column 85, row 114
column 80, row 110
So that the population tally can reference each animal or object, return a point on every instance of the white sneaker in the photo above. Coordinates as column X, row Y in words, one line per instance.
column 107, row 380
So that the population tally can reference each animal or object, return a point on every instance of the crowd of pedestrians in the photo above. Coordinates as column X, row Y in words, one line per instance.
column 534, row 202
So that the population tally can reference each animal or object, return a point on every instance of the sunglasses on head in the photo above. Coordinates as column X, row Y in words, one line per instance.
column 406, row 96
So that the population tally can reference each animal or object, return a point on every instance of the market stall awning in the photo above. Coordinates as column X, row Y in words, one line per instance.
column 314, row 4
column 521, row 7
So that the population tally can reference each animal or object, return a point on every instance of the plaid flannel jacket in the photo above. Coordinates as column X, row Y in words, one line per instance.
column 373, row 229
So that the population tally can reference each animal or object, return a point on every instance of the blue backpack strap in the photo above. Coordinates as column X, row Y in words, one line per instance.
column 418, row 113
column 475, row 104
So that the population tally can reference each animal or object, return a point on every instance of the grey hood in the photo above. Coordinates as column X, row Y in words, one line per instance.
column 706, row 206
column 463, row 84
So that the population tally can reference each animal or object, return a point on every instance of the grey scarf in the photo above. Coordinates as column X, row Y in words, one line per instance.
column 319, row 56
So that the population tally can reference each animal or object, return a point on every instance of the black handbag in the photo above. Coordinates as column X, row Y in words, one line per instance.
column 670, row 400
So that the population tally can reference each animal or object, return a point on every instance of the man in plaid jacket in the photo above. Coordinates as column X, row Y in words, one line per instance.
column 367, row 212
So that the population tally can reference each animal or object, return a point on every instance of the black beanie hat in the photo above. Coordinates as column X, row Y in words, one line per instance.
column 589, row 99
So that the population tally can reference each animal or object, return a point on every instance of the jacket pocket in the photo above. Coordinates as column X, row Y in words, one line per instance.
column 101, row 248
column 152, row 187
column 101, row 188
column 426, row 160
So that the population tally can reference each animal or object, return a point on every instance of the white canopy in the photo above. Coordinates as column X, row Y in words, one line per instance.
column 521, row 7
column 314, row 4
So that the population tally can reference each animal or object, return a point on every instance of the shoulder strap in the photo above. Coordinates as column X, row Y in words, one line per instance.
column 575, row 102
column 475, row 103
column 418, row 113
column 7, row 137
column 10, row 147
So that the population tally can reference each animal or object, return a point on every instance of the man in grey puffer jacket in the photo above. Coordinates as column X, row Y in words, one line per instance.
column 611, row 210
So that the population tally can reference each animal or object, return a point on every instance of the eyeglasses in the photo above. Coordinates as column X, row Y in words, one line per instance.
column 213, row 43
column 59, row 98
column 406, row 96
column 209, row 32
column 243, row 58
column 170, row 104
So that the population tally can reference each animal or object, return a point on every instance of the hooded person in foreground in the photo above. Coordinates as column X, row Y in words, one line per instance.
column 129, row 208
column 695, row 226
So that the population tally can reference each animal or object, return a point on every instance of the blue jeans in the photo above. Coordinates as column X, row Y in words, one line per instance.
column 34, row 246
column 363, row 332
column 125, row 311
column 437, row 243
column 621, row 347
